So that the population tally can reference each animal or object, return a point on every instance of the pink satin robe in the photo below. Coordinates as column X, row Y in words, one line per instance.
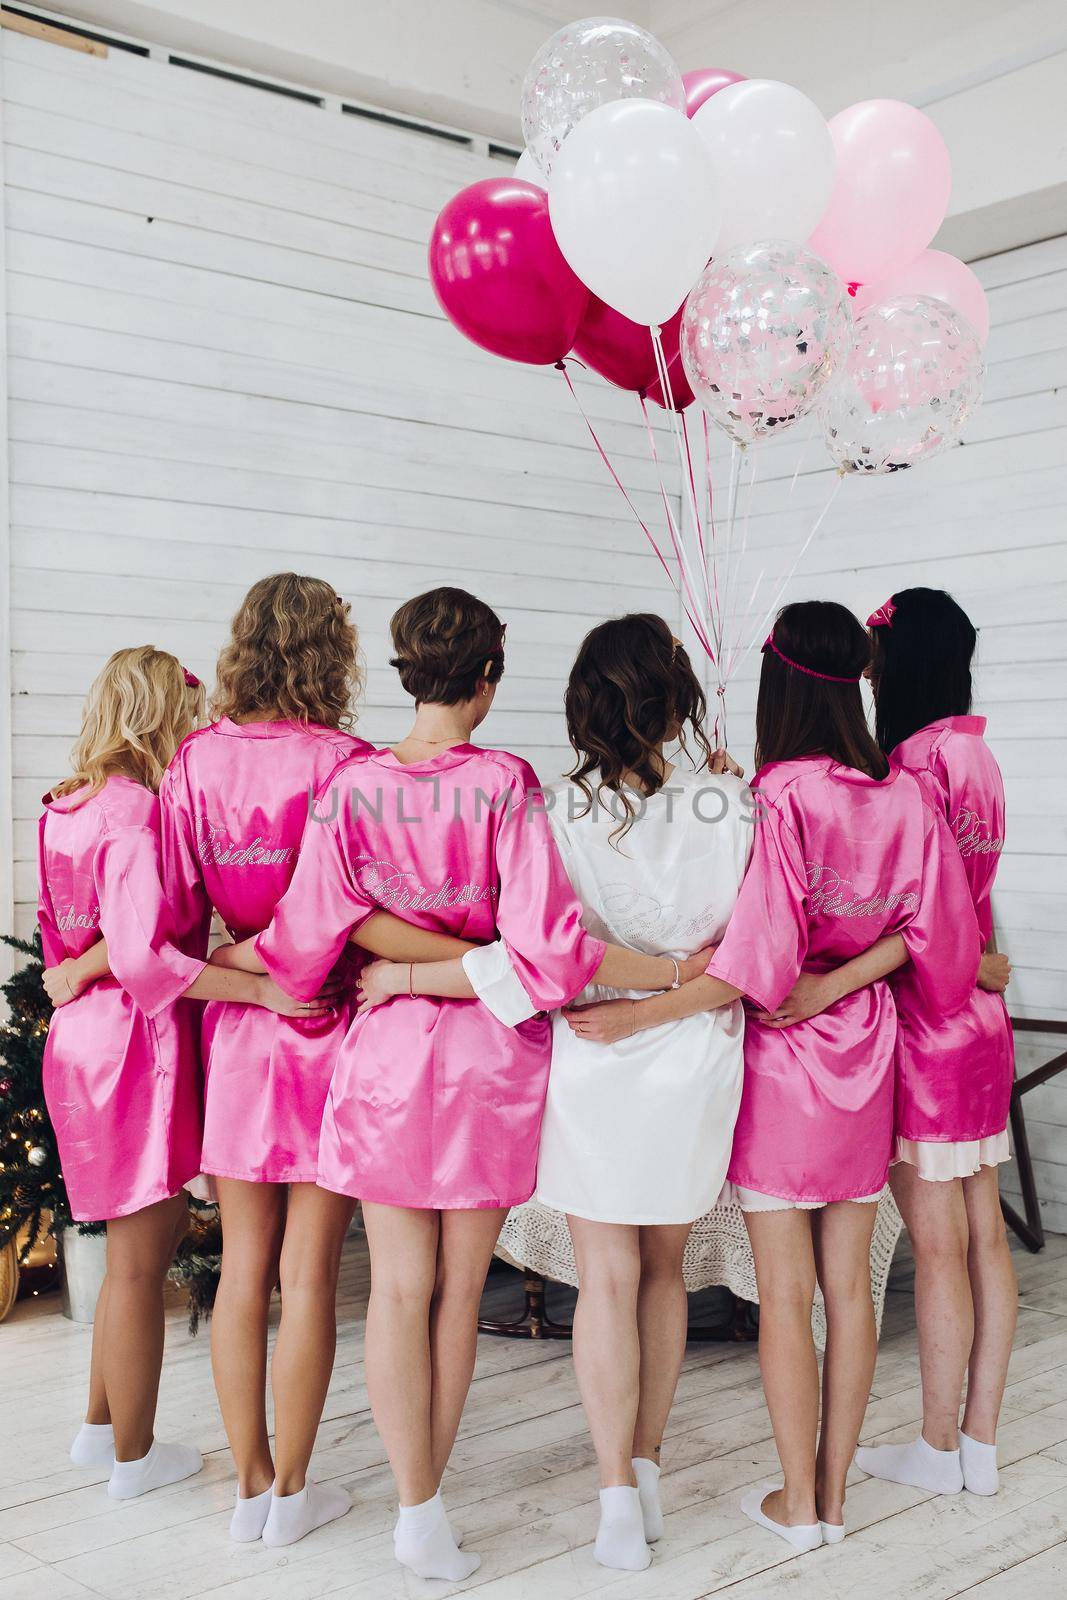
column 839, row 861
column 121, row 1063
column 955, row 1073
column 235, row 803
column 434, row 1103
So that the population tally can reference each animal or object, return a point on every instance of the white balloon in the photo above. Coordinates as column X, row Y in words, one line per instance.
column 588, row 64
column 632, row 203
column 774, row 158
column 527, row 169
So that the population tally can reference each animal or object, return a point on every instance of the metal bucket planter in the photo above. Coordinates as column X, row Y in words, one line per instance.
column 84, row 1259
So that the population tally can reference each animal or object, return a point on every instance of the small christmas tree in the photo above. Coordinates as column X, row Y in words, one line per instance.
column 32, row 1192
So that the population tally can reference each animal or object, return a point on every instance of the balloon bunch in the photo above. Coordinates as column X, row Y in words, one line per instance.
column 711, row 238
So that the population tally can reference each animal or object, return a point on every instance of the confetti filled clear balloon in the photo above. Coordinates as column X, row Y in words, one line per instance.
column 765, row 330
column 914, row 377
column 586, row 65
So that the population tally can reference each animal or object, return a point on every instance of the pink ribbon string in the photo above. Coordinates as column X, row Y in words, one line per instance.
column 692, row 609
column 626, row 496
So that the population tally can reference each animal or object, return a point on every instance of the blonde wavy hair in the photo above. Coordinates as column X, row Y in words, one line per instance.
column 293, row 653
column 138, row 711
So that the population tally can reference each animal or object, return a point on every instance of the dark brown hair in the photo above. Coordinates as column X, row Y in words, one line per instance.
column 293, row 651
column 447, row 644
column 798, row 714
column 631, row 688
column 921, row 664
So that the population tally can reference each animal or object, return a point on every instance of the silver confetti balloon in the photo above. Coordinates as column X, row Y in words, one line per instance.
column 586, row 65
column 766, row 328
column 914, row 377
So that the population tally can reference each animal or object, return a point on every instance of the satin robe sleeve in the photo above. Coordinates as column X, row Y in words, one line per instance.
column 135, row 920
column 190, row 906
column 766, row 939
column 538, row 915
column 943, row 938
column 969, row 778
column 51, row 940
column 311, row 924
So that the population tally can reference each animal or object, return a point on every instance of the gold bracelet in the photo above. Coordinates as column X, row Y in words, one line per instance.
column 411, row 980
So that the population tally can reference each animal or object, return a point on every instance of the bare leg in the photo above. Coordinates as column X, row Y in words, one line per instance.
column 139, row 1251
column 995, row 1292
column 785, row 1275
column 842, row 1235
column 936, row 1218
column 97, row 1411
column 606, row 1347
column 662, row 1321
column 315, row 1227
column 403, row 1252
column 253, row 1221
column 464, row 1250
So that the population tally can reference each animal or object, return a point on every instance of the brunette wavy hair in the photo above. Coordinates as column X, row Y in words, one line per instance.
column 293, row 653
column 632, row 687
column 801, row 713
column 921, row 664
column 138, row 710
column 447, row 643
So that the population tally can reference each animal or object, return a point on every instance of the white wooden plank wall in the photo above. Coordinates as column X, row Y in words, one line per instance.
column 226, row 359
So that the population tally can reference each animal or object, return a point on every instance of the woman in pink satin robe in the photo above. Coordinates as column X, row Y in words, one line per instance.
column 121, row 1066
column 435, row 1108
column 235, row 804
column 954, row 1072
column 847, row 852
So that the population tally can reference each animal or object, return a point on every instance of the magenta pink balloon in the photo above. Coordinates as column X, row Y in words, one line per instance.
column 703, row 82
column 938, row 276
column 499, row 274
column 621, row 350
column 894, row 179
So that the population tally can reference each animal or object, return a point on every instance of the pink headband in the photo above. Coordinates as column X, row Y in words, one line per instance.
column 191, row 680
column 809, row 672
column 883, row 617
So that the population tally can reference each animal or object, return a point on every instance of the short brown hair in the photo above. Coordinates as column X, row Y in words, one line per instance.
column 447, row 643
column 293, row 652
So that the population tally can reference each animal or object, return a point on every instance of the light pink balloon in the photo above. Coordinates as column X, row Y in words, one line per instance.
column 938, row 276
column 702, row 82
column 894, row 179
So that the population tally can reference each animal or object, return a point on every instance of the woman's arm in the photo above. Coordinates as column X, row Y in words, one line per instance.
column 393, row 939
column 608, row 1021
column 389, row 937
column 994, row 969
column 219, row 982
column 815, row 991
column 619, row 969
column 73, row 976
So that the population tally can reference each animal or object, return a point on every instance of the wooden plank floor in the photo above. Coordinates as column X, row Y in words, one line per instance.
column 521, row 1485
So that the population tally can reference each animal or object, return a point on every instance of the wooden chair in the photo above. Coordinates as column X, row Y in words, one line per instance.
column 1029, row 1228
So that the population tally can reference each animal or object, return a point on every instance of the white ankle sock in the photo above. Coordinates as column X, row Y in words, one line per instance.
column 94, row 1445
column 646, row 1472
column 293, row 1516
column 164, row 1463
column 802, row 1536
column 620, row 1540
column 917, row 1463
column 250, row 1516
column 423, row 1540
column 979, row 1464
